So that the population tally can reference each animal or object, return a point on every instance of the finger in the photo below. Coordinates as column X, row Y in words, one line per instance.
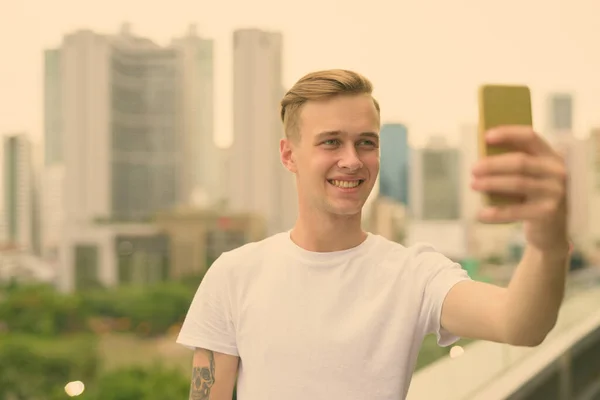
column 520, row 163
column 517, row 185
column 531, row 211
column 519, row 137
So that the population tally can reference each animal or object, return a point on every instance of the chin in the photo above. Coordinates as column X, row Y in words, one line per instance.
column 346, row 210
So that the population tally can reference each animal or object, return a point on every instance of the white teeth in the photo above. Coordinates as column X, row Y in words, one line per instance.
column 345, row 184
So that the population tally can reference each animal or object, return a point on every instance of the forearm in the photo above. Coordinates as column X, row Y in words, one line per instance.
column 535, row 294
column 213, row 375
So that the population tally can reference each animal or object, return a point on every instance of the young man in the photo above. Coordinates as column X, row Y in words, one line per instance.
column 328, row 311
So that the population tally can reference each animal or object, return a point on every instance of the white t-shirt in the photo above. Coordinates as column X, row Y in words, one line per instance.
column 322, row 326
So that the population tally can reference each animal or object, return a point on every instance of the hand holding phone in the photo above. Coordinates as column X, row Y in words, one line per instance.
column 501, row 105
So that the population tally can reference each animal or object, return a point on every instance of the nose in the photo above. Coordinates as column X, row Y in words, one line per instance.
column 350, row 160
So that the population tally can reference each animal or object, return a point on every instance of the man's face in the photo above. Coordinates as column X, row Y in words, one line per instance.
column 336, row 156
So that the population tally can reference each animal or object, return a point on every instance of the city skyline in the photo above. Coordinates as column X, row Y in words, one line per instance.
column 556, row 54
column 126, row 118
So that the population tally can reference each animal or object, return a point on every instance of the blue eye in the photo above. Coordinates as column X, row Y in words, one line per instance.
column 368, row 143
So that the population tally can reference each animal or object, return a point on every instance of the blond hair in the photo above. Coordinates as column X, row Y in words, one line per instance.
column 320, row 85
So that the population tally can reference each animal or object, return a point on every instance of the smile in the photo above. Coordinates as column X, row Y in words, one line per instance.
column 345, row 184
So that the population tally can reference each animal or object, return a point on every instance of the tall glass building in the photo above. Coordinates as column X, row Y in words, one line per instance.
column 394, row 172
column 130, row 122
column 16, row 223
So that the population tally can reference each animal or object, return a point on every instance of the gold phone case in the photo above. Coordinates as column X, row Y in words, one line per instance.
column 501, row 105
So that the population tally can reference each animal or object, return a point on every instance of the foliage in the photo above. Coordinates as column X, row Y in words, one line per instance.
column 47, row 339
column 494, row 259
column 33, row 368
column 50, row 341
column 39, row 309
column 142, row 383
column 147, row 311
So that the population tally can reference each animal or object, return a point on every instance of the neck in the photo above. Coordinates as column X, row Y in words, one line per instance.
column 326, row 233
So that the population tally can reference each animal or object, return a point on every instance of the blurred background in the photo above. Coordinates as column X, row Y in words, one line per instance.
column 140, row 141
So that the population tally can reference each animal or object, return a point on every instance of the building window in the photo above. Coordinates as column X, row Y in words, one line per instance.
column 86, row 266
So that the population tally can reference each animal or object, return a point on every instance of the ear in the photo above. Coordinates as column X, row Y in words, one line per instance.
column 286, row 154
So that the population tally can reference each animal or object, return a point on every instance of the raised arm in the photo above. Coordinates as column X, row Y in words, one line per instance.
column 213, row 375
column 525, row 312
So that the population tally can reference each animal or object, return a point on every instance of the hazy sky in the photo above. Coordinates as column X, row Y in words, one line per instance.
column 425, row 57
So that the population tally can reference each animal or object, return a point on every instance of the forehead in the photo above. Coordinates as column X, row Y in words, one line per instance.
column 353, row 114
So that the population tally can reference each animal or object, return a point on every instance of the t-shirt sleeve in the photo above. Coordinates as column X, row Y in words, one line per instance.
column 440, row 274
column 209, row 323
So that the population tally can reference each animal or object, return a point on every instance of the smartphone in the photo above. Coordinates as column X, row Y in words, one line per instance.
column 501, row 105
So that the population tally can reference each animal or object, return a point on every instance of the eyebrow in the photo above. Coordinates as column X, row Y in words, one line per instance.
column 326, row 134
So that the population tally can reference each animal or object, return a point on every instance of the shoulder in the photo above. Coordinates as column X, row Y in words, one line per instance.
column 433, row 269
column 384, row 246
column 416, row 253
column 426, row 254
column 252, row 253
column 253, row 250
column 420, row 259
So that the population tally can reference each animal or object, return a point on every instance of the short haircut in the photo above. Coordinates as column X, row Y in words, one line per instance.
column 320, row 85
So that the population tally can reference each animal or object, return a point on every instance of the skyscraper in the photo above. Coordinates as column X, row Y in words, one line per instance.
column 52, row 206
column 576, row 156
column 17, row 189
column 197, row 111
column 560, row 113
column 577, row 159
column 258, row 181
column 394, row 170
column 435, row 193
column 128, row 127
column 53, row 118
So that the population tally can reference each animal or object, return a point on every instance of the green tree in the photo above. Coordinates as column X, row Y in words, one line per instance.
column 38, row 369
column 41, row 310
column 142, row 383
column 151, row 310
